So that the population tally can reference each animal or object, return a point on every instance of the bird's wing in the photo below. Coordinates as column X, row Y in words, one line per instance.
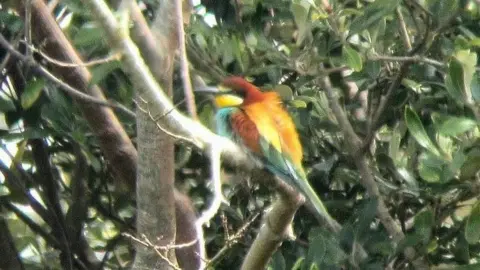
column 259, row 136
column 272, row 145
column 263, row 138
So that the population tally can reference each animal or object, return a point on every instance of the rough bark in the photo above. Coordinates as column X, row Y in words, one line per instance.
column 156, row 167
column 160, row 63
column 275, row 229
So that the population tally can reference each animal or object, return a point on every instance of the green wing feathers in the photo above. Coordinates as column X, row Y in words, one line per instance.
column 281, row 165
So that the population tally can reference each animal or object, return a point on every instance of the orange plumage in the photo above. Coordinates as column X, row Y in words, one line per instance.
column 261, row 124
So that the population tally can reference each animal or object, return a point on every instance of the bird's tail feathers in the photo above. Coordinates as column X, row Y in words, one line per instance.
column 299, row 181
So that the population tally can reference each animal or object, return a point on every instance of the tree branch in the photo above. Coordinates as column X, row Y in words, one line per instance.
column 161, row 107
column 30, row 62
column 273, row 232
column 160, row 64
column 113, row 140
column 187, row 84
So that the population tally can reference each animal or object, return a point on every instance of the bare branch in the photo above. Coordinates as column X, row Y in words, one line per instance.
column 403, row 29
column 413, row 59
column 187, row 84
column 350, row 136
column 147, row 243
column 113, row 57
column 62, row 85
column 231, row 240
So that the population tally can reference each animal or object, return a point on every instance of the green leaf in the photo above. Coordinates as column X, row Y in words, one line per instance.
column 453, row 169
column 32, row 92
column 88, row 35
column 317, row 248
column 300, row 11
column 461, row 70
column 278, row 262
column 443, row 9
column 475, row 87
column 352, row 58
column 417, row 130
column 471, row 165
column 6, row 104
column 367, row 213
column 424, row 222
column 324, row 250
column 297, row 103
column 100, row 72
column 372, row 14
column 453, row 81
column 298, row 263
column 472, row 231
column 461, row 250
column 284, row 91
column 454, row 126
column 409, row 178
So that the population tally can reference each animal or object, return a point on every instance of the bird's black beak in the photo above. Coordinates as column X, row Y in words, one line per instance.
column 207, row 89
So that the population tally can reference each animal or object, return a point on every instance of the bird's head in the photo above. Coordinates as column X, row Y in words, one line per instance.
column 233, row 92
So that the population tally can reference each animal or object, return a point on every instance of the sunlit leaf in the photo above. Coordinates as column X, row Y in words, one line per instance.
column 297, row 103
column 300, row 14
column 417, row 130
column 284, row 91
column 298, row 263
column 32, row 92
column 454, row 126
column 352, row 58
column 461, row 69
column 372, row 14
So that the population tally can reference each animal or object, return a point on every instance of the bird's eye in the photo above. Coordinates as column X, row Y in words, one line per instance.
column 241, row 93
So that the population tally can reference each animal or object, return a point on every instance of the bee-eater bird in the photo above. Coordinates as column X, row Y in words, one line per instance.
column 258, row 121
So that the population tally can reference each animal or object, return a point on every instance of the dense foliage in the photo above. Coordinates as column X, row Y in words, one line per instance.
column 404, row 72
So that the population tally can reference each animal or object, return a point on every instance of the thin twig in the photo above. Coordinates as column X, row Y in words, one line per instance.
column 28, row 26
column 342, row 119
column 62, row 85
column 156, row 119
column 231, row 240
column 376, row 114
column 187, row 84
column 114, row 57
column 413, row 59
column 147, row 243
column 167, row 247
column 403, row 29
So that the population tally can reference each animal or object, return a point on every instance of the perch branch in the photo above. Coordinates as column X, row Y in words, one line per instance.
column 187, row 84
column 174, row 121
